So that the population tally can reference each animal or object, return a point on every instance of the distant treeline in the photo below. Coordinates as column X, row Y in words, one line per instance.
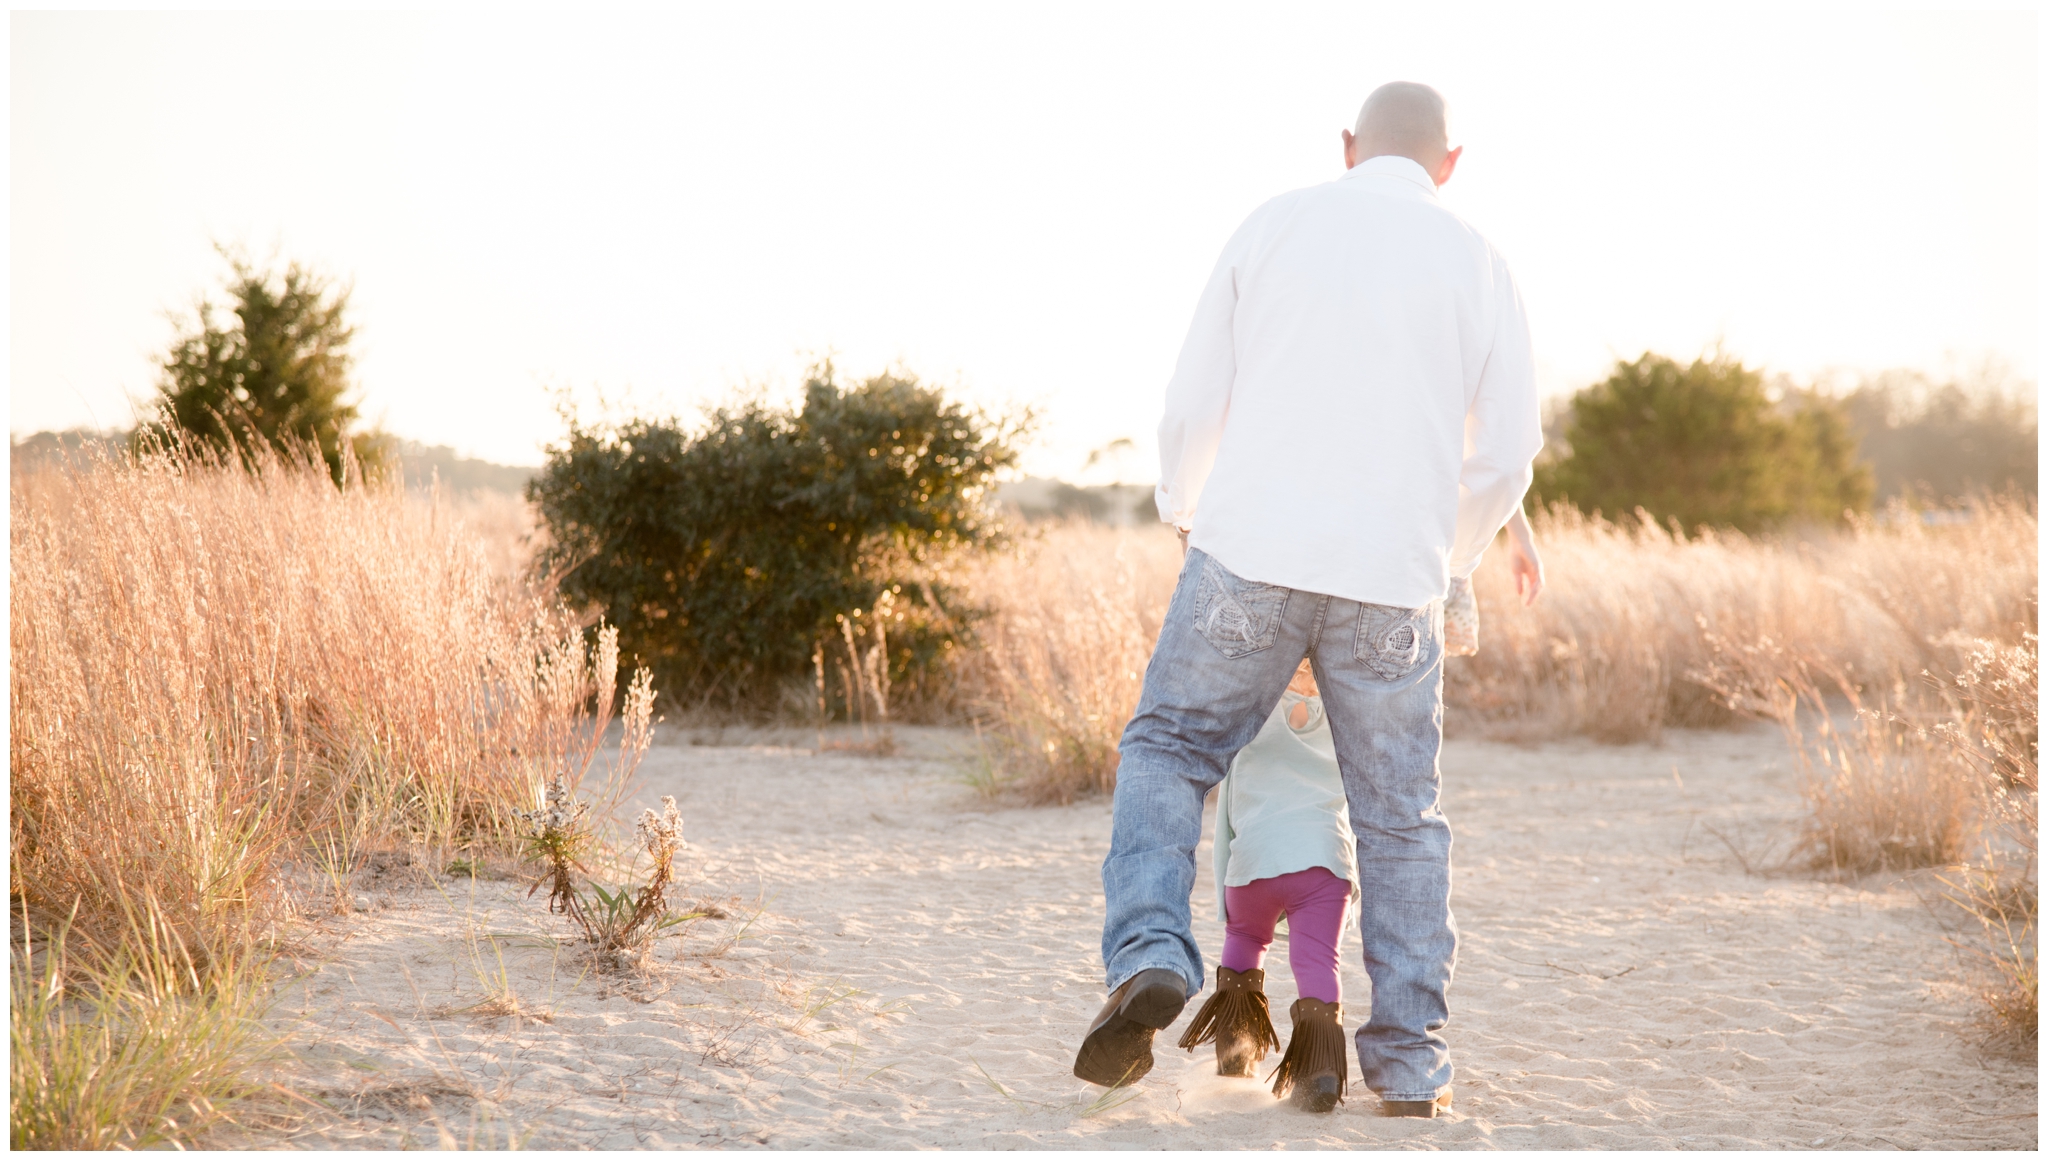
column 422, row 464
column 1939, row 441
column 1931, row 440
column 1118, row 505
column 1716, row 444
column 425, row 463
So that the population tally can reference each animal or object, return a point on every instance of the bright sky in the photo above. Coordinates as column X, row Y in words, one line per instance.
column 1019, row 201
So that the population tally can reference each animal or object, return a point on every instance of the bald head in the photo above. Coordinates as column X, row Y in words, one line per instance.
column 1403, row 119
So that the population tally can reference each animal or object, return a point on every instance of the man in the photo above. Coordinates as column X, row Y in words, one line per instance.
column 1352, row 419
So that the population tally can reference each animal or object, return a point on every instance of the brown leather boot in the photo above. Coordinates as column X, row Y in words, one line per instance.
column 1315, row 1066
column 1118, row 1047
column 1236, row 1017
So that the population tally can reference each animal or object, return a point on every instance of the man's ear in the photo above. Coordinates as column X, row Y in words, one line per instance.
column 1449, row 163
column 1350, row 149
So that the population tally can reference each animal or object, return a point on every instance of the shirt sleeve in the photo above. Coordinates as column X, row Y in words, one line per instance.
column 1503, row 430
column 1198, row 395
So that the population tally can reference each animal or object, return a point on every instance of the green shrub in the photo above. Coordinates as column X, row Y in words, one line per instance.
column 1706, row 446
column 771, row 543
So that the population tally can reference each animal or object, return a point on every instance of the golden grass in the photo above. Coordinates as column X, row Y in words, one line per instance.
column 1073, row 615
column 2002, row 898
column 1883, row 790
column 503, row 526
column 221, row 677
column 1944, row 772
column 1615, row 649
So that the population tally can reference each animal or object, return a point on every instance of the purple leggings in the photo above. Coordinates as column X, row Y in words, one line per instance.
column 1314, row 902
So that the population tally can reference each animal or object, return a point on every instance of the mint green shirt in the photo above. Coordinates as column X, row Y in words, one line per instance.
column 1282, row 807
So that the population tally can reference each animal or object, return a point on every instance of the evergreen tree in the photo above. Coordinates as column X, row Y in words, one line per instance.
column 1705, row 445
column 276, row 374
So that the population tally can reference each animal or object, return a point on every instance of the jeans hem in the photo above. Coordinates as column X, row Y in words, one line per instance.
column 1176, row 969
column 1416, row 1096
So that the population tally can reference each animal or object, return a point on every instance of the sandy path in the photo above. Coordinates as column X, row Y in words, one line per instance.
column 1623, row 983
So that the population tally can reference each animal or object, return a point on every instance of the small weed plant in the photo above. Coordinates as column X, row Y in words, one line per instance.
column 620, row 923
column 559, row 838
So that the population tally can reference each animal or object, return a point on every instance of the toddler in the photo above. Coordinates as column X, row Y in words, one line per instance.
column 1284, row 847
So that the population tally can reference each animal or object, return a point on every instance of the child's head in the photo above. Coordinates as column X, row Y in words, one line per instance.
column 1304, row 682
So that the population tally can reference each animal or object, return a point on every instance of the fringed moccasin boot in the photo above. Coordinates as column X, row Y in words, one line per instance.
column 1315, row 1066
column 1236, row 1017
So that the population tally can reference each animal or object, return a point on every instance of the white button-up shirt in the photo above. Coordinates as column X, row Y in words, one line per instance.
column 1354, row 411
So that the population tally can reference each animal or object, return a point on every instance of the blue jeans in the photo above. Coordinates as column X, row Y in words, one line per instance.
column 1227, row 649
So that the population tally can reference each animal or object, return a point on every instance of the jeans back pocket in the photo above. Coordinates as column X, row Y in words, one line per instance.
column 1393, row 642
column 1237, row 616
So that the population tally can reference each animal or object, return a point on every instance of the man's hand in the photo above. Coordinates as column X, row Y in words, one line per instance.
column 1183, row 541
column 1523, row 562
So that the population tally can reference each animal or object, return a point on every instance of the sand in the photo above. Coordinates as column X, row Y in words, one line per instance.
column 909, row 965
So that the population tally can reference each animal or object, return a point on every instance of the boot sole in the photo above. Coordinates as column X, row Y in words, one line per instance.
column 1118, row 1052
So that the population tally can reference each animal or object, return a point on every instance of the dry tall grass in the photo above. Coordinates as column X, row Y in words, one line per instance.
column 220, row 674
column 1614, row 650
column 502, row 525
column 1073, row 615
column 1994, row 728
column 1943, row 772
column 1900, row 658
column 1884, row 791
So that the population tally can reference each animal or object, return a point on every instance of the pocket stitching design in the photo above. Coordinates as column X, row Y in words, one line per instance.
column 1379, row 625
column 1225, row 622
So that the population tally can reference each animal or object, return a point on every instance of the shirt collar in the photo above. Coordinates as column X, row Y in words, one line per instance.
column 1394, row 165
